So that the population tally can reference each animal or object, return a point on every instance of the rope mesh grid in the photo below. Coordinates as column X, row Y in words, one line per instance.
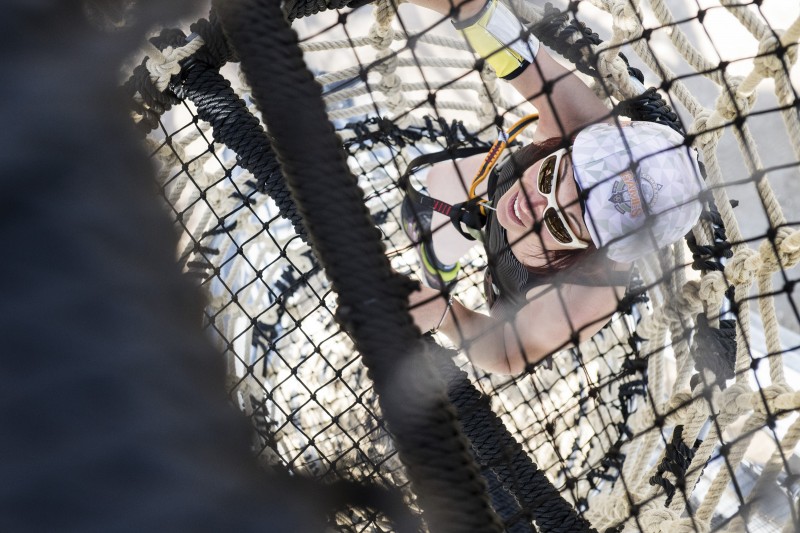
column 635, row 427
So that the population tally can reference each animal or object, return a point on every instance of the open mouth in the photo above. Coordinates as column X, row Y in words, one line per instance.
column 514, row 210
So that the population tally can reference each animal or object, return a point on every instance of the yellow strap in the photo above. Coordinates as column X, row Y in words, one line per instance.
column 488, row 163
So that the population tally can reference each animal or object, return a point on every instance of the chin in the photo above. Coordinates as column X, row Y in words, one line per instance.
column 530, row 256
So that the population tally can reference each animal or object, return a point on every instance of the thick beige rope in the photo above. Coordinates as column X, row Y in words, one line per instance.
column 675, row 299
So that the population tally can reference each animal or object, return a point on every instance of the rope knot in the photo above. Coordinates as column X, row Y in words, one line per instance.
column 610, row 65
column 607, row 510
column 712, row 289
column 768, row 403
column 735, row 401
column 660, row 520
column 732, row 107
column 706, row 128
column 386, row 62
column 625, row 20
column 385, row 11
column 690, row 297
column 380, row 37
column 163, row 67
column 773, row 58
column 163, row 64
column 787, row 243
column 655, row 519
column 743, row 266
column 789, row 401
column 789, row 247
column 390, row 83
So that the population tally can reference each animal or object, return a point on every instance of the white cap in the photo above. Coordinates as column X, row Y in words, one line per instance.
column 640, row 184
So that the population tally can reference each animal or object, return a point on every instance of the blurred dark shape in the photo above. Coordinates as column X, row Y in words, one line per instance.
column 109, row 14
column 113, row 412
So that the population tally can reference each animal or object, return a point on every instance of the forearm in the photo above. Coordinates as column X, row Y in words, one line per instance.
column 458, row 9
column 480, row 337
column 476, row 334
column 564, row 102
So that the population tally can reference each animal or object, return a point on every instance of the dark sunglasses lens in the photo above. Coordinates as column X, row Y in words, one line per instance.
column 556, row 226
column 546, row 173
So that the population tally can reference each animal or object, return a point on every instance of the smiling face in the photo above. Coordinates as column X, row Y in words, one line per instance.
column 520, row 212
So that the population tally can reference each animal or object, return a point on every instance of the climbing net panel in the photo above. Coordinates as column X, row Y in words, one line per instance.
column 679, row 415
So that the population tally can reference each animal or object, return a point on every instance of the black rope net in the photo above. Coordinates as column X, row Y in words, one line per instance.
column 679, row 415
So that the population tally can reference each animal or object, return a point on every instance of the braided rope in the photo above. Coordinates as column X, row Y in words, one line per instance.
column 163, row 64
column 497, row 449
column 445, row 480
column 682, row 299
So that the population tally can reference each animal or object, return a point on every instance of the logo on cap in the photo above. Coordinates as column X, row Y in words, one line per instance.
column 625, row 194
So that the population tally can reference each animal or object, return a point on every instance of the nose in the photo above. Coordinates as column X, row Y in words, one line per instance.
column 533, row 202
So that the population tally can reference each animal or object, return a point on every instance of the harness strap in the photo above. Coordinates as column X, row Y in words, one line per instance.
column 472, row 213
column 466, row 213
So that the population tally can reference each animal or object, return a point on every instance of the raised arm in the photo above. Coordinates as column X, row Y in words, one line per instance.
column 565, row 108
column 506, row 342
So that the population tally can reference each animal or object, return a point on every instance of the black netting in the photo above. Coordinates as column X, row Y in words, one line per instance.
column 678, row 414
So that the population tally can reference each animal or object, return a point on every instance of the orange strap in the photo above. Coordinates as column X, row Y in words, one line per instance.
column 497, row 149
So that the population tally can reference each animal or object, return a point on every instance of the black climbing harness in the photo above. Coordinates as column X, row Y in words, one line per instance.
column 469, row 217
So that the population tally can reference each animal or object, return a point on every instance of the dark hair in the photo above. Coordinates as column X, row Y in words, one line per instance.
column 558, row 260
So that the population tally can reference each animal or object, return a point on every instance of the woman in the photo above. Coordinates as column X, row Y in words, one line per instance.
column 567, row 215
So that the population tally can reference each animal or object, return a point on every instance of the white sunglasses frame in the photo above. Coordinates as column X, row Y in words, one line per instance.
column 576, row 243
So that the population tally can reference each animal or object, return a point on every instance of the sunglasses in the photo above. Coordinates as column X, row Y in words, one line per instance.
column 554, row 220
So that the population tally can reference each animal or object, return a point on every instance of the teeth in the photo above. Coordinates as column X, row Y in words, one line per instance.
column 516, row 208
